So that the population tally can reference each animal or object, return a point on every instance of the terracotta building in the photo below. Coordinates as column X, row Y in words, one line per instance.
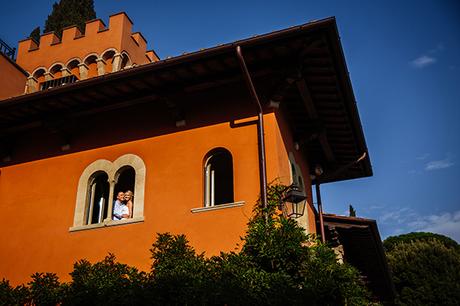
column 195, row 137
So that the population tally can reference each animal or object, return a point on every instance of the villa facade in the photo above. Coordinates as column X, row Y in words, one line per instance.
column 95, row 113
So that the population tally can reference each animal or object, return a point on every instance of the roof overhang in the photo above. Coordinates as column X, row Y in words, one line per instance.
column 302, row 67
column 363, row 249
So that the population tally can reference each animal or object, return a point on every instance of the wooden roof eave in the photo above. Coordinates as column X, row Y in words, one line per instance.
column 374, row 241
column 347, row 89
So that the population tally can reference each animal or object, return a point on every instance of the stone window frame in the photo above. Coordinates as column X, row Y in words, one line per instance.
column 298, row 171
column 112, row 170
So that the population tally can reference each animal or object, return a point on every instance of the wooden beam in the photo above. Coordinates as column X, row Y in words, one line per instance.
column 313, row 114
column 122, row 104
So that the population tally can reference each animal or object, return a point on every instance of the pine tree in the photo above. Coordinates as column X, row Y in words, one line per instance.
column 352, row 211
column 35, row 34
column 67, row 13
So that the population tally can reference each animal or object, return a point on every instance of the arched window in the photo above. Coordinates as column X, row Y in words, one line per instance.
column 293, row 172
column 97, row 199
column 56, row 71
column 296, row 173
column 107, row 56
column 39, row 74
column 125, row 61
column 73, row 67
column 90, row 61
column 218, row 178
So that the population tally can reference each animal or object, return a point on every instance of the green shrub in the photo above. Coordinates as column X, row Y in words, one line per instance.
column 309, row 269
column 179, row 276
column 105, row 283
column 9, row 295
column 45, row 289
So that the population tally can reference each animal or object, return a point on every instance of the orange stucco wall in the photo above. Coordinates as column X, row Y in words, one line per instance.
column 39, row 198
column 12, row 79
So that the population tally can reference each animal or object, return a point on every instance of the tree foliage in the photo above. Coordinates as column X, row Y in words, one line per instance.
column 35, row 34
column 278, row 265
column 351, row 211
column 104, row 283
column 178, row 274
column 45, row 289
column 10, row 295
column 426, row 269
column 391, row 242
column 67, row 13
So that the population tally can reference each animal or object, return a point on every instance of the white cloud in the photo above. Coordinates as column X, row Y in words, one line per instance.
column 447, row 224
column 438, row 164
column 397, row 216
column 428, row 58
column 423, row 61
column 406, row 220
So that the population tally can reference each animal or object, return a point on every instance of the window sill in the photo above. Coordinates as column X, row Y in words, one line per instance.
column 217, row 207
column 106, row 223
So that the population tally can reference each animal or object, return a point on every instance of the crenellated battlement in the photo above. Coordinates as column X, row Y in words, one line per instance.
column 70, row 33
column 93, row 28
column 97, row 51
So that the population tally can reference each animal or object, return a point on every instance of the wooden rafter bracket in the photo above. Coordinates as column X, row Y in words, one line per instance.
column 313, row 114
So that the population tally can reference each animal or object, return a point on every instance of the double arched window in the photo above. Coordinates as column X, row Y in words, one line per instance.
column 98, row 187
column 97, row 207
column 218, row 178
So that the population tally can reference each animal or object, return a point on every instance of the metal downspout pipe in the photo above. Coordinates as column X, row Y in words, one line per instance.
column 320, row 212
column 318, row 191
column 260, row 134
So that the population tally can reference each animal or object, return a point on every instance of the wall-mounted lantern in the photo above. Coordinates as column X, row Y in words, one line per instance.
column 293, row 202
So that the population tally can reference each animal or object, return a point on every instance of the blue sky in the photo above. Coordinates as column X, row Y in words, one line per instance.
column 404, row 63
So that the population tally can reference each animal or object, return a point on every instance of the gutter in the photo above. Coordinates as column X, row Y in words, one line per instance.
column 260, row 133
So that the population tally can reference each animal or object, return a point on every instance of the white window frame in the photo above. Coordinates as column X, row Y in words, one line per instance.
column 209, row 184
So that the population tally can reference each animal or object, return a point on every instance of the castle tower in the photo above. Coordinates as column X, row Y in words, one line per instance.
column 100, row 50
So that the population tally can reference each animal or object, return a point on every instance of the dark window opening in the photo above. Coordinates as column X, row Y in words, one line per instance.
column 125, row 182
column 219, row 178
column 124, row 61
column 301, row 185
column 98, row 196
column 126, row 179
column 293, row 172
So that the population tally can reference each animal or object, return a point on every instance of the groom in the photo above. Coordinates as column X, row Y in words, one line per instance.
column 120, row 210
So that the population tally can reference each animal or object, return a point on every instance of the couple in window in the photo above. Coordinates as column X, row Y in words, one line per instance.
column 123, row 206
